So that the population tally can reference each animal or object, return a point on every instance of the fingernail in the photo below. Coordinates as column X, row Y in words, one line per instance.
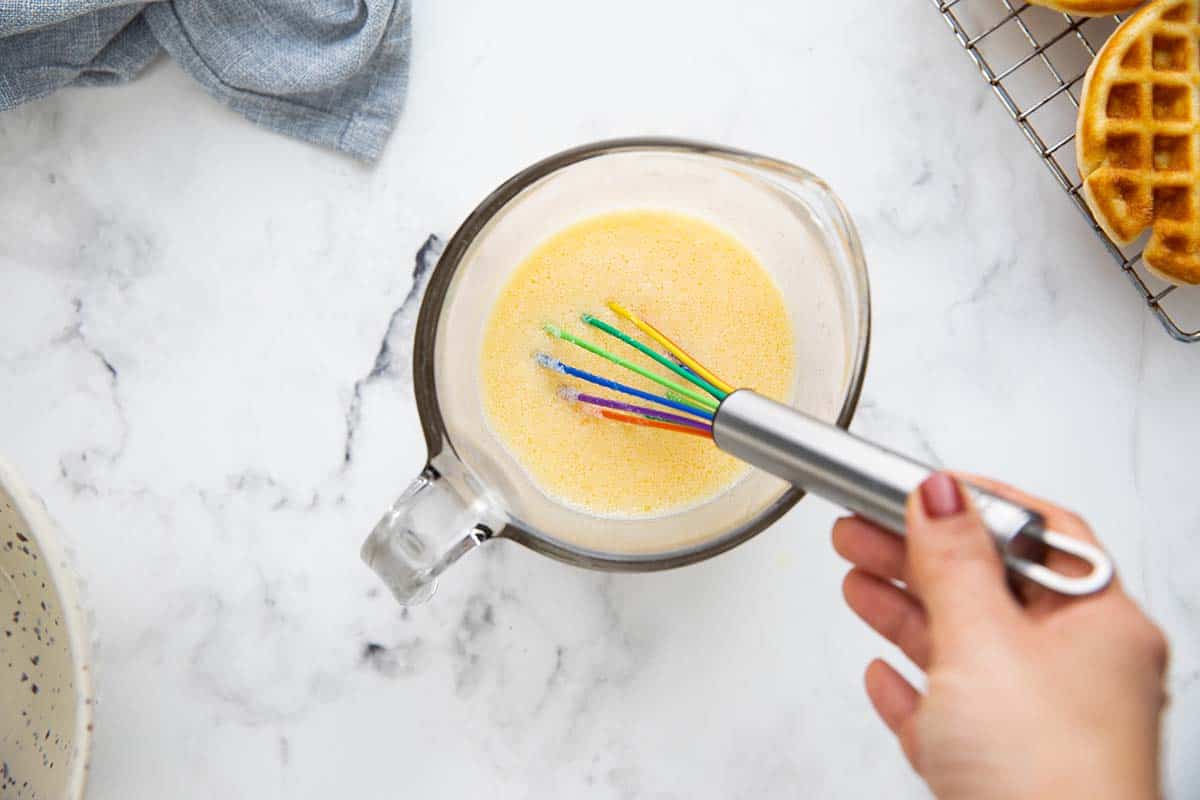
column 940, row 496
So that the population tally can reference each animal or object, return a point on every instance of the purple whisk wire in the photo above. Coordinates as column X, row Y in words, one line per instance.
column 570, row 394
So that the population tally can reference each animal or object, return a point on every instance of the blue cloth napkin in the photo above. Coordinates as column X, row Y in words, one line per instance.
column 333, row 72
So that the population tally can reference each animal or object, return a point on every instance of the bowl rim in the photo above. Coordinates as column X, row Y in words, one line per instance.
column 58, row 562
column 437, row 438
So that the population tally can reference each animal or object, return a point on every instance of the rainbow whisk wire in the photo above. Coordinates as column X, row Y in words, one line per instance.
column 698, row 398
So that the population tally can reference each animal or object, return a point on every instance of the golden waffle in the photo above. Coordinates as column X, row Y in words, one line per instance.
column 1138, row 140
column 1088, row 8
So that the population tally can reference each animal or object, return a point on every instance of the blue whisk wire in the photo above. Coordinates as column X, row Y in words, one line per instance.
column 550, row 362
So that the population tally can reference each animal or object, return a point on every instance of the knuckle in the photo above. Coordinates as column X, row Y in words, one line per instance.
column 905, row 627
column 848, row 582
column 1155, row 644
column 896, row 623
column 1075, row 522
column 934, row 564
column 957, row 541
column 1145, row 639
column 911, row 635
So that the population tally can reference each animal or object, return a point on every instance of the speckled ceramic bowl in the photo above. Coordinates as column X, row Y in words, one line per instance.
column 45, row 655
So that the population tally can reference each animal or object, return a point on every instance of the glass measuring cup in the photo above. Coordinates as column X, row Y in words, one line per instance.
column 473, row 489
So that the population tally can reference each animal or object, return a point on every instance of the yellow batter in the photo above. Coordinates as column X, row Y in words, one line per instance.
column 692, row 280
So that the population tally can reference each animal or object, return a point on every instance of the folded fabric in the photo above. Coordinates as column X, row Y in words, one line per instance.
column 333, row 72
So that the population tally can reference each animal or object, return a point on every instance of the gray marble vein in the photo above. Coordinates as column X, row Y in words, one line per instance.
column 394, row 357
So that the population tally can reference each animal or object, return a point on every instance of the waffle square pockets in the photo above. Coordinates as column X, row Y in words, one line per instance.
column 1138, row 137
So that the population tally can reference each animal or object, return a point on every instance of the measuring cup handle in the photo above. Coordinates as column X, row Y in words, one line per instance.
column 424, row 532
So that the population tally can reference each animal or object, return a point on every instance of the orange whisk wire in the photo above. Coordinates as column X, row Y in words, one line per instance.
column 653, row 423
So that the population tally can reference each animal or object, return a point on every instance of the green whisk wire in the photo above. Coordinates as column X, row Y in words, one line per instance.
column 686, row 374
column 693, row 396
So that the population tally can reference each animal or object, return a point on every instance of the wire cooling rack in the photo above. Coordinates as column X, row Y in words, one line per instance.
column 1041, row 57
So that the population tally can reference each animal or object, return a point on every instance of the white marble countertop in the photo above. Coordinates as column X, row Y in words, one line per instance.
column 190, row 303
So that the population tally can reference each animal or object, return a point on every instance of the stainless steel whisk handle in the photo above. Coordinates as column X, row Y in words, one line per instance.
column 876, row 483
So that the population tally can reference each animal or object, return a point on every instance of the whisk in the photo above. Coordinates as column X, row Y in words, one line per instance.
column 809, row 453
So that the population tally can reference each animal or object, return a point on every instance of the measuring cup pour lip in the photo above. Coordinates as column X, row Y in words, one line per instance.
column 835, row 224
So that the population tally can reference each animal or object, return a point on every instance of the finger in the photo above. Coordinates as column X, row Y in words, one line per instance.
column 891, row 612
column 896, row 703
column 1038, row 600
column 869, row 547
column 954, row 568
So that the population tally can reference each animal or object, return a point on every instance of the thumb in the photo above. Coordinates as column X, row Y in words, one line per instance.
column 953, row 565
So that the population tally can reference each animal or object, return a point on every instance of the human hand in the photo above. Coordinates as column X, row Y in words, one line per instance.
column 1032, row 695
